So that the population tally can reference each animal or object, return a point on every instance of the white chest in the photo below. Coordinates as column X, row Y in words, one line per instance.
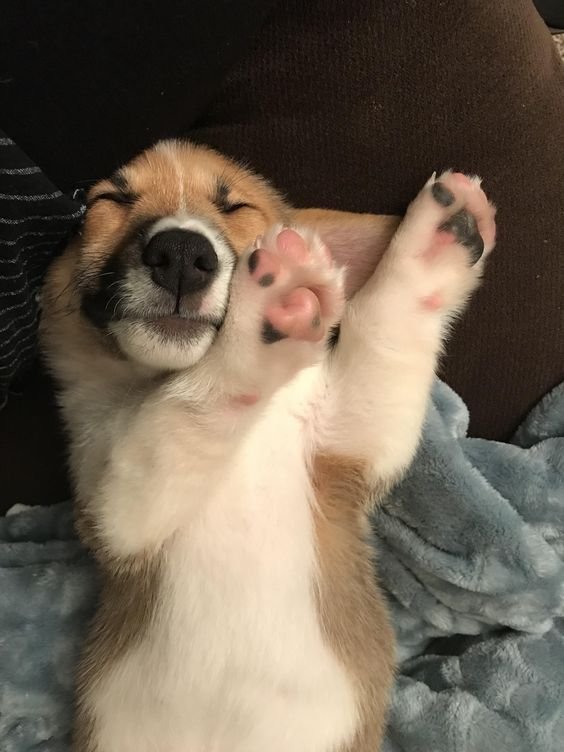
column 236, row 662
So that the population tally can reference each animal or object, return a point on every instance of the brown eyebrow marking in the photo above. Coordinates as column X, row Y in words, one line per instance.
column 221, row 193
column 122, row 195
column 221, row 200
column 126, row 199
column 120, row 181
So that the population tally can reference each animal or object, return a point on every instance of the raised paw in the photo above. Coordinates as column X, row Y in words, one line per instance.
column 448, row 231
column 302, row 290
column 470, row 218
column 286, row 296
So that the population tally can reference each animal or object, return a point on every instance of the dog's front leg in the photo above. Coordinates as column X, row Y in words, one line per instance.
column 381, row 371
column 173, row 450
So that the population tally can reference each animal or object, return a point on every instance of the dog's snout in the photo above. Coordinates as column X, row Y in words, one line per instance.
column 181, row 261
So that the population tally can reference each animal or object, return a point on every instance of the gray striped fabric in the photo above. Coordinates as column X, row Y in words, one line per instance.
column 34, row 220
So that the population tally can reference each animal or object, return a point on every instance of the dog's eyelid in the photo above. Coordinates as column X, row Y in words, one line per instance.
column 227, row 205
column 228, row 208
column 118, row 197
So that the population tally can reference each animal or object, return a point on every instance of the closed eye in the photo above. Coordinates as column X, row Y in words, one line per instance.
column 225, row 204
column 235, row 207
column 118, row 197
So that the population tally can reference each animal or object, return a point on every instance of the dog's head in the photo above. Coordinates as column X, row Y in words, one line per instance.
column 153, row 263
column 147, row 279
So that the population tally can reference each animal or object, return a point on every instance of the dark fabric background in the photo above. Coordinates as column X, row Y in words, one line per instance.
column 35, row 218
column 552, row 11
column 346, row 105
column 87, row 84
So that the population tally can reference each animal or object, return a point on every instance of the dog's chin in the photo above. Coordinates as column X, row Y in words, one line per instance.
column 169, row 343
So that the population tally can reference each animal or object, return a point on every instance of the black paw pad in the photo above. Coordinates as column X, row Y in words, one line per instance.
column 266, row 280
column 253, row 261
column 442, row 195
column 465, row 229
column 270, row 335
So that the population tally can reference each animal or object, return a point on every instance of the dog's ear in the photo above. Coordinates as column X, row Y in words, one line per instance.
column 357, row 241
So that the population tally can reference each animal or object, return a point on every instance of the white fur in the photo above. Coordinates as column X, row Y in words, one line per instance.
column 237, row 662
column 138, row 341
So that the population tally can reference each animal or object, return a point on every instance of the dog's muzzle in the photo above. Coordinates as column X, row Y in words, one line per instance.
column 181, row 261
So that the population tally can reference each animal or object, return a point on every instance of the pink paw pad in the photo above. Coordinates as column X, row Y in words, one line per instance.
column 470, row 218
column 462, row 179
column 292, row 246
column 473, row 221
column 302, row 287
column 442, row 239
column 296, row 315
column 264, row 267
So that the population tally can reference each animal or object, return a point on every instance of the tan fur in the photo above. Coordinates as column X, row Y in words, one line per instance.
column 128, row 603
column 80, row 349
column 155, row 178
column 351, row 607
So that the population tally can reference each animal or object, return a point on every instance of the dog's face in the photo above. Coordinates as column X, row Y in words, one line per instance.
column 147, row 280
column 158, row 247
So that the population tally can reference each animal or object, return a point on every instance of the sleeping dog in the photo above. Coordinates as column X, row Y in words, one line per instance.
column 241, row 382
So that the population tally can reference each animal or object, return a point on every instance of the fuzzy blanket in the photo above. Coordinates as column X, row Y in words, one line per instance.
column 471, row 550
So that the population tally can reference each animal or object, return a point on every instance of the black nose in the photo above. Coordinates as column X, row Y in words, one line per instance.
column 182, row 261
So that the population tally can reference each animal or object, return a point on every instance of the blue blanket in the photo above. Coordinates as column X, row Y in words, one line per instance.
column 471, row 554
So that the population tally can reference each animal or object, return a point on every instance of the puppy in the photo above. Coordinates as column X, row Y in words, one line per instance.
column 228, row 440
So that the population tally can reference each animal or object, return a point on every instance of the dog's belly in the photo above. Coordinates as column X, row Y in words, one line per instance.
column 236, row 660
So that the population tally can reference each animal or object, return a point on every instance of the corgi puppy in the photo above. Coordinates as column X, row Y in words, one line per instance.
column 241, row 382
